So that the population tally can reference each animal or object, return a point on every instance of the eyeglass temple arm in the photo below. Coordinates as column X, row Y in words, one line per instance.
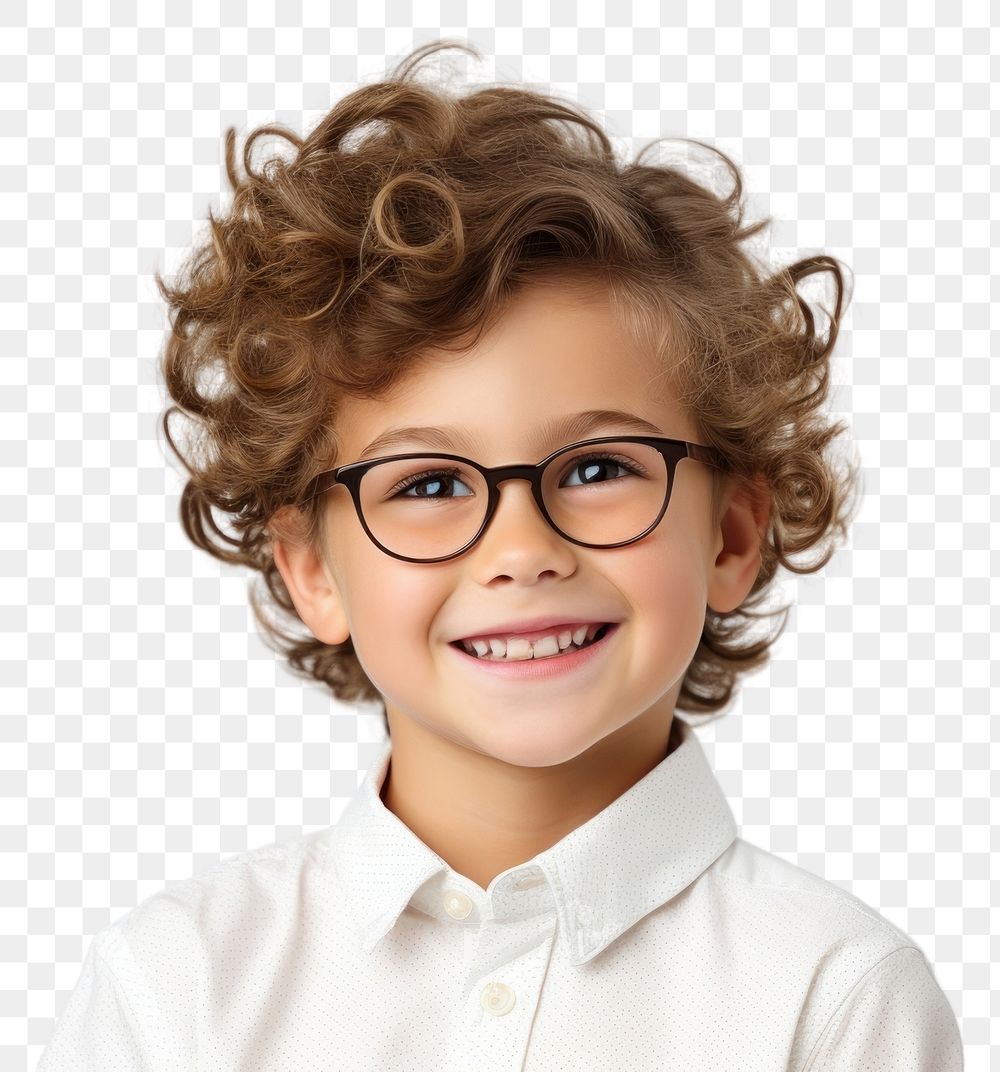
column 709, row 455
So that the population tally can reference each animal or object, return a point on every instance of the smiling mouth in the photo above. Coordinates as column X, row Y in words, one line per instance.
column 519, row 649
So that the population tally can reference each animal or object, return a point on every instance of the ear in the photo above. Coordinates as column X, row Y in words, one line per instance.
column 313, row 588
column 741, row 529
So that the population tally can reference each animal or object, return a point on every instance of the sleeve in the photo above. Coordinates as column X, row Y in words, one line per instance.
column 97, row 1030
column 895, row 1019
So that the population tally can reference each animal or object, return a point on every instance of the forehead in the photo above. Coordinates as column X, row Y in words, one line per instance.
column 558, row 349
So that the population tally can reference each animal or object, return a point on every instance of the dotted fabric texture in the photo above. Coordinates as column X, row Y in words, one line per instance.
column 146, row 732
column 650, row 937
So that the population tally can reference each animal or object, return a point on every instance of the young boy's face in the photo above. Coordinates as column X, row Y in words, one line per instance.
column 557, row 351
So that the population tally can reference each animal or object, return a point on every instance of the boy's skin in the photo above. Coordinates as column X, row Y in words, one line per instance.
column 490, row 772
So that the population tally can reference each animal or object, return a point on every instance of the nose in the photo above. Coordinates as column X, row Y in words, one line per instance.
column 519, row 541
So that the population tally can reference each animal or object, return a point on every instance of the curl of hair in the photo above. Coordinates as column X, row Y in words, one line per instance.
column 407, row 219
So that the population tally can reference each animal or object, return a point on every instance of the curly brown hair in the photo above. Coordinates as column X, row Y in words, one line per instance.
column 407, row 219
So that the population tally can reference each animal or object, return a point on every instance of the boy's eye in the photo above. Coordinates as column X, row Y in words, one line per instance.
column 430, row 485
column 594, row 465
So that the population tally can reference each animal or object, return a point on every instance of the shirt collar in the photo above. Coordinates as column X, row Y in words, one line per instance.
column 639, row 852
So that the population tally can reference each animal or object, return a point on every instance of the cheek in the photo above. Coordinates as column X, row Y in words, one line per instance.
column 392, row 607
column 668, row 587
column 383, row 597
column 375, row 584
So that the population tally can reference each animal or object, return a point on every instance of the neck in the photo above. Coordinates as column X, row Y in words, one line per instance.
column 483, row 816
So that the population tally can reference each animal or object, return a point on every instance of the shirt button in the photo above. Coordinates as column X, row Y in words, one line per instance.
column 497, row 998
column 457, row 904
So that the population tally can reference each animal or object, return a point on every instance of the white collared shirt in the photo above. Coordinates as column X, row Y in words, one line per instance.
column 650, row 937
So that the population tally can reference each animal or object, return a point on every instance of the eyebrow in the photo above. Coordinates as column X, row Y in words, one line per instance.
column 569, row 428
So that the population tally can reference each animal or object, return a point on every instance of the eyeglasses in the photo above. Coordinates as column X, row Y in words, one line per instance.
column 605, row 492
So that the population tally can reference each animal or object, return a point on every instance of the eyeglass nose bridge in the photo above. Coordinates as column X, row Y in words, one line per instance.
column 500, row 475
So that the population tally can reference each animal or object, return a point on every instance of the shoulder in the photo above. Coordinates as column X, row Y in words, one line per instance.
column 158, row 979
column 831, row 952
column 189, row 921
column 778, row 894
column 895, row 1017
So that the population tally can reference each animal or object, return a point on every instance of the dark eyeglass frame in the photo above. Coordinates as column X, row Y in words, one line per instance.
column 673, row 451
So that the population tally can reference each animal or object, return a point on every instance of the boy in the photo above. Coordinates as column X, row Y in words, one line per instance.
column 521, row 437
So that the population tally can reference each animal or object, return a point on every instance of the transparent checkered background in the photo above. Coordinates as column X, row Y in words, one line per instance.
column 146, row 730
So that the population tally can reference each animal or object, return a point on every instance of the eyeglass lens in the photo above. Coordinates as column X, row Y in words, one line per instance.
column 430, row 507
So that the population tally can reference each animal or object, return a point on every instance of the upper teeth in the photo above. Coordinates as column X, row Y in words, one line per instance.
column 522, row 648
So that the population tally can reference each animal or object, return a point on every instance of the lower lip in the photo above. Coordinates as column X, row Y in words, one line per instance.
column 551, row 666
